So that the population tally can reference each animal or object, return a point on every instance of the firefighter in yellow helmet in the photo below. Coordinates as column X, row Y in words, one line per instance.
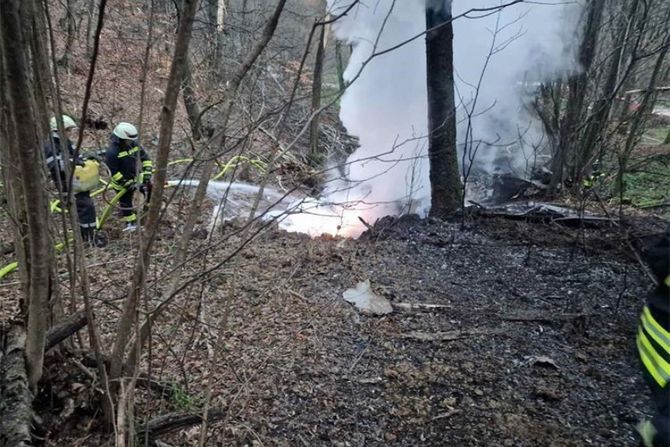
column 653, row 343
column 131, row 169
column 53, row 153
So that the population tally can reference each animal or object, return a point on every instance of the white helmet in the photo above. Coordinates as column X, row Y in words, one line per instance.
column 67, row 123
column 125, row 131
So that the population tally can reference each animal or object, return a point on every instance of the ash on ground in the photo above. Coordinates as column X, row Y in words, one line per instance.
column 532, row 342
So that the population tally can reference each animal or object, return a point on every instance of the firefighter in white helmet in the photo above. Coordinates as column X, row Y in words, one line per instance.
column 131, row 169
column 53, row 153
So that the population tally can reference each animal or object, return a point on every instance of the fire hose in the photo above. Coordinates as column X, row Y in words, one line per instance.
column 55, row 205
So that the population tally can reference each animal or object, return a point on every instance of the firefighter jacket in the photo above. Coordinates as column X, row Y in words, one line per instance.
column 653, row 336
column 54, row 158
column 125, row 159
column 653, row 344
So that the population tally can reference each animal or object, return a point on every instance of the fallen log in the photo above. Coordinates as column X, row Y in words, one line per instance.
column 16, row 413
column 65, row 329
column 171, row 422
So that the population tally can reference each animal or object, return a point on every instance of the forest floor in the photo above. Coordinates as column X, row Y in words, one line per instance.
column 533, row 345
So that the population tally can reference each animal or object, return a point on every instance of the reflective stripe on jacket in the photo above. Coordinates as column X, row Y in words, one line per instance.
column 653, row 344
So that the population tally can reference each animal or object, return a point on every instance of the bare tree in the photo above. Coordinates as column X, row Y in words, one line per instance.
column 317, row 81
column 190, row 100
column 71, row 28
column 216, row 13
column 129, row 314
column 642, row 113
column 24, row 145
column 577, row 84
column 443, row 155
column 340, row 64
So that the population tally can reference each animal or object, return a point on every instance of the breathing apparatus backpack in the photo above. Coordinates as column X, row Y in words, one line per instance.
column 86, row 177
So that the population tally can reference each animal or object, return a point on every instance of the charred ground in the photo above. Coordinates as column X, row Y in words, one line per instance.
column 534, row 344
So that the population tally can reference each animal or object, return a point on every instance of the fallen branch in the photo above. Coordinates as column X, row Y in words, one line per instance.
column 168, row 423
column 449, row 335
column 655, row 205
column 143, row 380
column 367, row 225
column 65, row 329
column 16, row 413
column 420, row 306
column 545, row 318
column 642, row 264
column 644, row 90
column 448, row 414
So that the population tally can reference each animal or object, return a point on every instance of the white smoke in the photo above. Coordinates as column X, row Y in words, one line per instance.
column 386, row 105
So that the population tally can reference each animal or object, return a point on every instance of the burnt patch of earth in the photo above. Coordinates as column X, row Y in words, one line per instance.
column 529, row 340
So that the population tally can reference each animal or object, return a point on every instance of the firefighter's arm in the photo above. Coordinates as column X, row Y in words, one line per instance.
column 51, row 156
column 147, row 166
column 118, row 181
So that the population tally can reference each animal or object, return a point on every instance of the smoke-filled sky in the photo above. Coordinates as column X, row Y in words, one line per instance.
column 386, row 105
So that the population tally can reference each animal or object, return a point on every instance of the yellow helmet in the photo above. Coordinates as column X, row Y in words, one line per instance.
column 67, row 123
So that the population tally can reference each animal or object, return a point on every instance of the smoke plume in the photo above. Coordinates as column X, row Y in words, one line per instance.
column 386, row 107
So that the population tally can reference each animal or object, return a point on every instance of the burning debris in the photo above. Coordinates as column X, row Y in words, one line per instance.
column 546, row 212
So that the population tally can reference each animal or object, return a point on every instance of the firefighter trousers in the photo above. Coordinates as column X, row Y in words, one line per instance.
column 86, row 214
column 126, row 206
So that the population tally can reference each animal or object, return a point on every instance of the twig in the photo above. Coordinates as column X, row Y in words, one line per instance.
column 545, row 318
column 420, row 306
column 641, row 262
column 448, row 336
column 446, row 415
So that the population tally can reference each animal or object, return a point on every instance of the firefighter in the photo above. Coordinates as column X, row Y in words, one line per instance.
column 131, row 169
column 56, row 165
column 653, row 344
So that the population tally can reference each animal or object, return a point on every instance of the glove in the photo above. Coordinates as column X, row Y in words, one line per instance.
column 148, row 187
column 145, row 188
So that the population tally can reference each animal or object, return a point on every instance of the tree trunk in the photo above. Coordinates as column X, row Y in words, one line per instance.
column 190, row 100
column 16, row 413
column 22, row 112
column 208, row 168
column 667, row 138
column 90, row 28
column 216, row 12
column 165, row 137
column 340, row 65
column 444, row 174
column 40, row 61
column 71, row 25
column 316, row 99
column 603, row 106
column 641, row 114
column 12, row 179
